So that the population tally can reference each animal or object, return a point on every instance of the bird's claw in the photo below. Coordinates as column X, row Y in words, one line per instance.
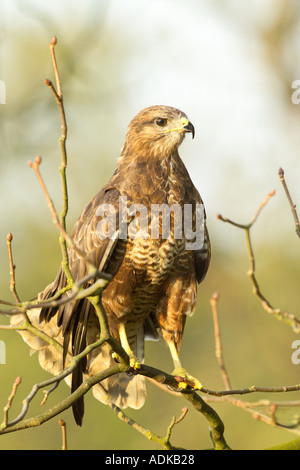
column 134, row 362
column 185, row 380
column 116, row 357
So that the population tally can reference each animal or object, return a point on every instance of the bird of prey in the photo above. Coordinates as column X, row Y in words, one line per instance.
column 154, row 275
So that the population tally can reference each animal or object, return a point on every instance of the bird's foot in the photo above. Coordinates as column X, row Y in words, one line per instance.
column 185, row 380
column 134, row 362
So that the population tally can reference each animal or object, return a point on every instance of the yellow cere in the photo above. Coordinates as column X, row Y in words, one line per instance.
column 183, row 122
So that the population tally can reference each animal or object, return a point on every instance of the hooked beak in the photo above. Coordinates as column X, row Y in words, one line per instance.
column 189, row 128
column 185, row 125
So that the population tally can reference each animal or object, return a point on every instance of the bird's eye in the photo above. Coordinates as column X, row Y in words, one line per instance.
column 161, row 122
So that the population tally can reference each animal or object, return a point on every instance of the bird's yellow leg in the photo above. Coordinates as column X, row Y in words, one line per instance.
column 181, row 372
column 133, row 360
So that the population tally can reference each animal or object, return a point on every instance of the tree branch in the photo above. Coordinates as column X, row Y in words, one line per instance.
column 218, row 344
column 285, row 317
column 63, row 425
column 292, row 205
column 215, row 423
column 12, row 268
column 66, row 403
column 63, row 166
column 9, row 402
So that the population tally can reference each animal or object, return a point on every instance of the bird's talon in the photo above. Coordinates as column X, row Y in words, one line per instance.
column 116, row 357
column 134, row 362
column 197, row 384
column 182, row 385
column 186, row 380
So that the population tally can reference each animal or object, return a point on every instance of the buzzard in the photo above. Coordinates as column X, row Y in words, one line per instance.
column 154, row 266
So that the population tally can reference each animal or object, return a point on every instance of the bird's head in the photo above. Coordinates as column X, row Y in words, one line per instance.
column 157, row 131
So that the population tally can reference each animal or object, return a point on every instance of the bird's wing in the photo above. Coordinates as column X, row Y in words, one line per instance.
column 106, row 254
column 202, row 251
column 99, row 250
column 202, row 257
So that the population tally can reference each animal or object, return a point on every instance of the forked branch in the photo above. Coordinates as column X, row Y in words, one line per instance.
column 285, row 317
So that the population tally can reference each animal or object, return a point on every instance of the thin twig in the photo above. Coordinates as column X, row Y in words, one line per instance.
column 252, row 389
column 9, row 402
column 218, row 343
column 267, row 416
column 6, row 302
column 52, row 45
column 151, row 436
column 63, row 149
column 76, row 292
column 261, row 206
column 63, row 138
column 163, row 441
column 12, row 268
column 292, row 205
column 167, row 379
column 66, row 403
column 54, row 380
column 35, row 166
column 63, row 166
column 285, row 317
column 47, row 392
column 254, row 218
column 63, row 425
column 174, row 422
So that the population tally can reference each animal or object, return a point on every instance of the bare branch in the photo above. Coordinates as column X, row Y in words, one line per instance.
column 215, row 423
column 151, row 436
column 12, row 268
column 101, row 279
column 57, row 222
column 218, row 343
column 261, row 206
column 285, row 317
column 9, row 402
column 64, row 404
column 52, row 45
column 252, row 389
column 63, row 166
column 254, row 218
column 63, row 425
column 174, row 422
column 266, row 412
column 292, row 205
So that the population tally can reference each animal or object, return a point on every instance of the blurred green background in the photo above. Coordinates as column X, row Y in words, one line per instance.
column 229, row 65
